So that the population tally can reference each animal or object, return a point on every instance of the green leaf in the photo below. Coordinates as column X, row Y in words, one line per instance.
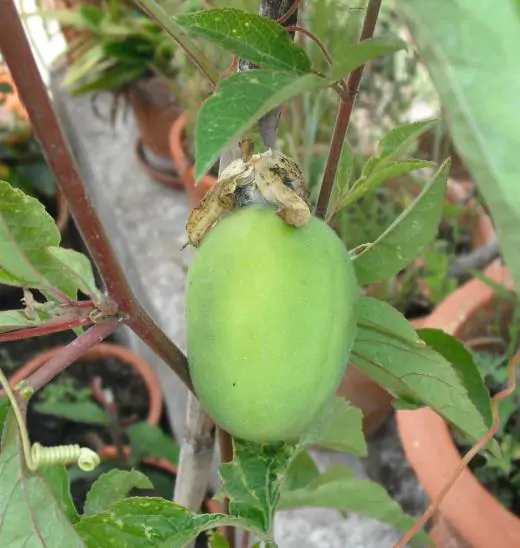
column 462, row 362
column 301, row 471
column 112, row 487
column 351, row 494
column 389, row 351
column 30, row 514
column 79, row 267
column 83, row 66
column 338, row 426
column 4, row 408
column 112, row 79
column 57, row 479
column 406, row 237
column 249, row 36
column 86, row 412
column 148, row 440
column 217, row 541
column 26, row 229
column 240, row 101
column 147, row 521
column 380, row 174
column 355, row 55
column 398, row 140
column 476, row 76
column 252, row 480
column 14, row 319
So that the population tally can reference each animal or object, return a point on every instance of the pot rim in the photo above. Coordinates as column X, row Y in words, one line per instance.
column 469, row 507
column 167, row 178
column 100, row 351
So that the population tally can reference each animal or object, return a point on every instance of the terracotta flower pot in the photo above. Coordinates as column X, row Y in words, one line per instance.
column 103, row 351
column 184, row 164
column 468, row 509
column 155, row 110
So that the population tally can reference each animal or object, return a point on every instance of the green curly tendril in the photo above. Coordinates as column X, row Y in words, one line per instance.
column 38, row 456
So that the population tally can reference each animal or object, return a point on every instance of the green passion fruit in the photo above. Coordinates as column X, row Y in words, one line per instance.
column 271, row 319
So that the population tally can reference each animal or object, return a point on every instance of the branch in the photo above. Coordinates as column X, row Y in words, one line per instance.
column 225, row 442
column 196, row 457
column 476, row 260
column 344, row 114
column 45, row 329
column 70, row 354
column 18, row 55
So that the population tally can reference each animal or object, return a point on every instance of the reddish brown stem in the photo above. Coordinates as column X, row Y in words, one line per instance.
column 434, row 506
column 314, row 38
column 226, row 455
column 18, row 55
column 289, row 12
column 61, row 360
column 45, row 329
column 344, row 114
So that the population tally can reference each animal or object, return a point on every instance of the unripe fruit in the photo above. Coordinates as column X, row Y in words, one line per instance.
column 271, row 313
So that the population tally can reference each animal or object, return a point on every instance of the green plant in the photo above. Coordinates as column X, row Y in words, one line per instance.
column 117, row 45
column 21, row 160
column 256, row 478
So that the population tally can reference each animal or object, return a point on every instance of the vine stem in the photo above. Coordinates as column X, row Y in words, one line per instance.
column 74, row 350
column 344, row 114
column 226, row 455
column 433, row 507
column 17, row 53
column 45, row 329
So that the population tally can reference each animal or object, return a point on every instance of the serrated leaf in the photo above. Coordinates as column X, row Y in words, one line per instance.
column 148, row 440
column 388, row 350
column 338, row 426
column 79, row 268
column 464, row 365
column 355, row 55
column 26, row 229
column 85, row 412
column 146, row 521
column 378, row 175
column 252, row 480
column 112, row 487
column 406, row 237
column 398, row 140
column 240, row 101
column 352, row 494
column 249, row 36
column 483, row 62
column 301, row 471
column 14, row 319
column 30, row 514
column 57, row 479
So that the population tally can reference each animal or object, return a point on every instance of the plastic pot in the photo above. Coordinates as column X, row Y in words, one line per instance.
column 469, row 512
column 101, row 351
column 185, row 166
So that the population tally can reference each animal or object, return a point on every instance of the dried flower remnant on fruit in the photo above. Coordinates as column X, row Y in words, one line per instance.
column 276, row 176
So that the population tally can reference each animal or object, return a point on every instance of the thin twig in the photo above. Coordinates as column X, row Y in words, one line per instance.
column 315, row 39
column 74, row 350
column 433, row 507
column 344, row 115
column 478, row 259
column 45, row 329
column 18, row 55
